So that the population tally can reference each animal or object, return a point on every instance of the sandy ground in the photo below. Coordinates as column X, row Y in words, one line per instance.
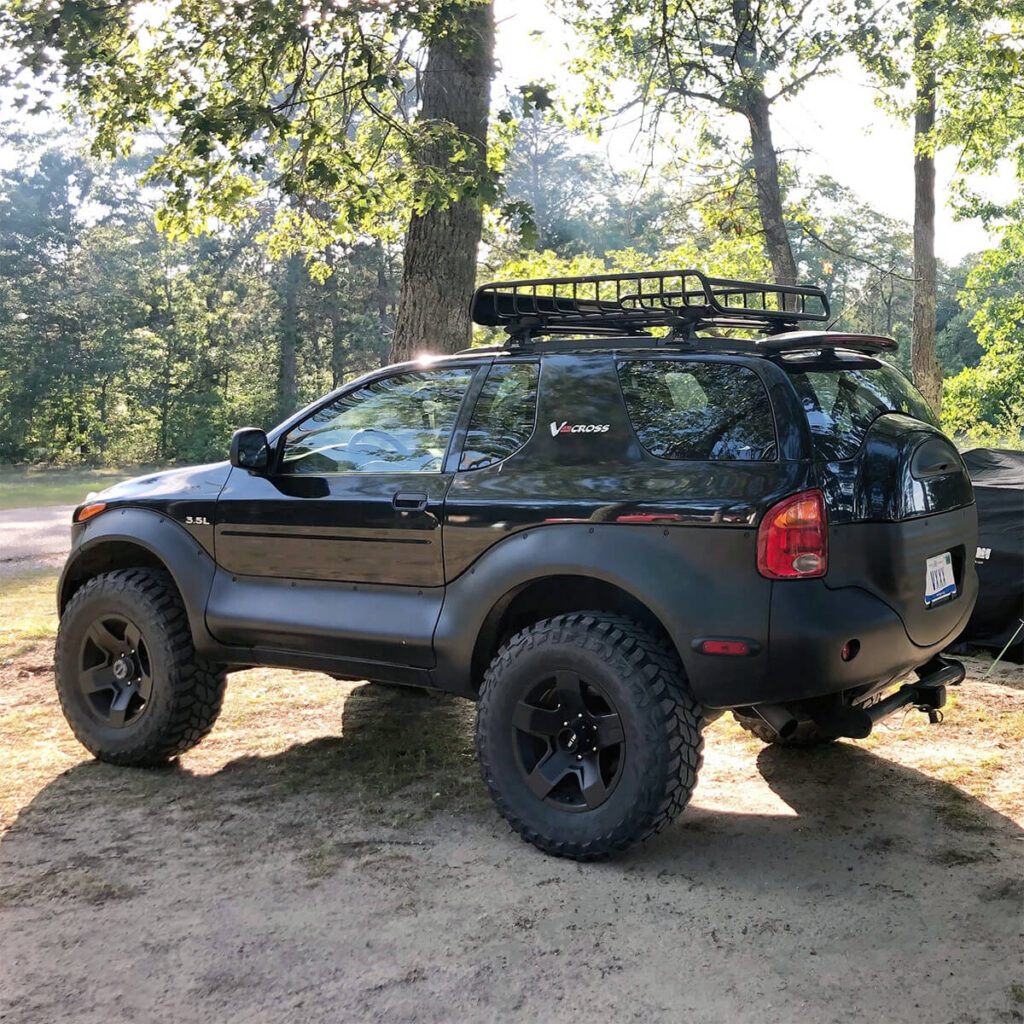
column 31, row 538
column 329, row 854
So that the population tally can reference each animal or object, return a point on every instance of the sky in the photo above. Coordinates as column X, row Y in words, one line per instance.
column 834, row 121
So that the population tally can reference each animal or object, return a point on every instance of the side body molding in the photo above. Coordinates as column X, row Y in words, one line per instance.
column 681, row 574
column 168, row 542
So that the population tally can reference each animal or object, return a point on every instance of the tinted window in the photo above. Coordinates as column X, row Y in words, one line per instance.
column 841, row 405
column 702, row 411
column 398, row 424
column 503, row 418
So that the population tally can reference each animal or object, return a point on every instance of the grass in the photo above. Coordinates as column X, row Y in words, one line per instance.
column 34, row 487
column 28, row 610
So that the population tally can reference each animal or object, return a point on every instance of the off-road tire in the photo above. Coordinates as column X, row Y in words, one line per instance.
column 187, row 692
column 661, row 726
column 806, row 734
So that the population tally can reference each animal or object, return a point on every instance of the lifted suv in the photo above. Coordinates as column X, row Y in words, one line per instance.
column 607, row 539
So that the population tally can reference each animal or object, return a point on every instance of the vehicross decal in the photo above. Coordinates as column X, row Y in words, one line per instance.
column 565, row 427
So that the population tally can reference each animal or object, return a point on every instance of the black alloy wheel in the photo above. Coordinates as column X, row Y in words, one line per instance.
column 115, row 673
column 569, row 742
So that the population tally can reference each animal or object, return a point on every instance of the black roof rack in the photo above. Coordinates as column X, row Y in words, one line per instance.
column 615, row 304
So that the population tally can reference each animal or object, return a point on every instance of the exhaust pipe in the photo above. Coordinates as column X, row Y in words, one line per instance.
column 777, row 718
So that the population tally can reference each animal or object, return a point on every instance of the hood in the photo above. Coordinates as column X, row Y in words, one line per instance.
column 190, row 482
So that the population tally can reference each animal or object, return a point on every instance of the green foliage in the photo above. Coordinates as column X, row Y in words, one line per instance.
column 682, row 54
column 985, row 403
column 122, row 345
column 255, row 101
column 559, row 199
column 972, row 50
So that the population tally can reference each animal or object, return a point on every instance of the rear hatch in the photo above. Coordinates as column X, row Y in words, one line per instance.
column 902, row 521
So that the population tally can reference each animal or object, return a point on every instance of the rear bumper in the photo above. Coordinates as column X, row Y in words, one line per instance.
column 810, row 624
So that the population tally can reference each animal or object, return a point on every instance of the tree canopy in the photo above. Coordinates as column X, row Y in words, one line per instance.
column 266, row 182
column 246, row 103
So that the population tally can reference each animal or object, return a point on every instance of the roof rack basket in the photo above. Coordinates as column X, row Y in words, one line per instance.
column 685, row 301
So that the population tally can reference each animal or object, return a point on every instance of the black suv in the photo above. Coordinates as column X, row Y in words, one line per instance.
column 604, row 535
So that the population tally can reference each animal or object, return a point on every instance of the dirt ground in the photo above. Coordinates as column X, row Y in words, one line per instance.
column 329, row 853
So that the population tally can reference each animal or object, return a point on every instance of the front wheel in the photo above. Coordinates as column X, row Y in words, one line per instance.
column 589, row 740
column 130, row 684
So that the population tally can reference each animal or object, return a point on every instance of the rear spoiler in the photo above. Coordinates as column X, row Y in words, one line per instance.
column 814, row 341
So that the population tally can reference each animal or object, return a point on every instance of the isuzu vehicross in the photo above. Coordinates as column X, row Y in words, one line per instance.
column 664, row 497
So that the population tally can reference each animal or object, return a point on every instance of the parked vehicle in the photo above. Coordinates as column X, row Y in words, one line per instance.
column 998, row 618
column 606, row 537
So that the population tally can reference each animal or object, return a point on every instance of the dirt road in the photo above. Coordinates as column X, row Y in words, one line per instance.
column 33, row 537
column 329, row 854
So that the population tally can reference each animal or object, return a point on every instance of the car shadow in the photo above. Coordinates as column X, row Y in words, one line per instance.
column 400, row 755
column 404, row 756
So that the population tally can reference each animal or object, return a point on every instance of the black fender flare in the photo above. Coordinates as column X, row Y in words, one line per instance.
column 167, row 542
column 676, row 575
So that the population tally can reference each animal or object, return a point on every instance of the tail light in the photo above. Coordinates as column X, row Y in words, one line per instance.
column 792, row 542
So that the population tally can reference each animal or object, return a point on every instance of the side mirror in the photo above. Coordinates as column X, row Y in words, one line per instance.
column 250, row 449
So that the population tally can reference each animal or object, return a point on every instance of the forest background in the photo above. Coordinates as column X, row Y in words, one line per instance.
column 244, row 206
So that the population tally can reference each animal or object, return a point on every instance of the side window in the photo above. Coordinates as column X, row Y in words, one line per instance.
column 398, row 424
column 503, row 418
column 698, row 411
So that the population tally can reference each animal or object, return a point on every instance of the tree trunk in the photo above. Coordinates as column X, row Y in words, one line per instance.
column 766, row 162
column 925, row 368
column 287, row 388
column 439, row 269
column 338, row 334
column 385, row 301
column 769, row 195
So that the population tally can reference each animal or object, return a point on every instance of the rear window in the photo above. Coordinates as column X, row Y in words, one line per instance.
column 841, row 405
column 687, row 410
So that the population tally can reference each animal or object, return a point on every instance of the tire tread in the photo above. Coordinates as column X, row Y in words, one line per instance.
column 659, row 673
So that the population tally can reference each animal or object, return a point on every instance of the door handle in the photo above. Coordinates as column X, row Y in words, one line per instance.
column 410, row 501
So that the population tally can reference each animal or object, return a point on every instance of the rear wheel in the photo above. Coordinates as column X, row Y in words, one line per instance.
column 588, row 739
column 806, row 734
column 130, row 684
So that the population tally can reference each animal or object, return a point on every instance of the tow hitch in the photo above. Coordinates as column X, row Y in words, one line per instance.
column 928, row 694
column 837, row 718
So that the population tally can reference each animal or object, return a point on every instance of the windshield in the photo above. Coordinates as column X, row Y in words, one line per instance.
column 842, row 404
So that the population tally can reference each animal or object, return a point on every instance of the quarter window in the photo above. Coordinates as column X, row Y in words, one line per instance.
column 503, row 419
column 841, row 405
column 398, row 424
column 698, row 411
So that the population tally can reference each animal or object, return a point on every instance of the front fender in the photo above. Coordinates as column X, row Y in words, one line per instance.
column 696, row 580
column 105, row 542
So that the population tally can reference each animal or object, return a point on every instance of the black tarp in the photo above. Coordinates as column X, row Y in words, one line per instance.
column 998, row 478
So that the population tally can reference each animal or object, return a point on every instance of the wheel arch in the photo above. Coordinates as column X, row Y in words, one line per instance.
column 546, row 596
column 680, row 582
column 138, row 538
column 105, row 555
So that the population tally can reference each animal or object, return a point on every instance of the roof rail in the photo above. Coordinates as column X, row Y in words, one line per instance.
column 608, row 304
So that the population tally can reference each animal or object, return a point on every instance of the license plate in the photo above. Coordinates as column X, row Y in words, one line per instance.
column 938, row 579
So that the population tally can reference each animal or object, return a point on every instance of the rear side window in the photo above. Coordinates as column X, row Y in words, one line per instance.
column 841, row 405
column 504, row 415
column 684, row 410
